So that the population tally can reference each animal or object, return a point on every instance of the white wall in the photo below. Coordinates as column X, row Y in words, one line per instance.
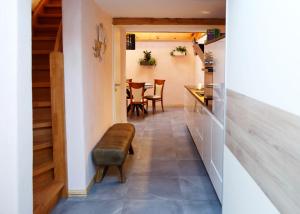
column 16, row 107
column 97, row 80
column 262, row 67
column 88, row 87
column 177, row 71
column 72, row 41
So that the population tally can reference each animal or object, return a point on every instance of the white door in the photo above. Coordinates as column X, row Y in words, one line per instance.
column 119, row 93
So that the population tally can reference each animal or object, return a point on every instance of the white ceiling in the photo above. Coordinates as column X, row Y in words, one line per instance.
column 165, row 8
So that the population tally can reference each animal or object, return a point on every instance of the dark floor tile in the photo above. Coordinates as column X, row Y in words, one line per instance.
column 89, row 207
column 187, row 153
column 109, row 189
column 197, row 188
column 154, row 167
column 201, row 207
column 154, row 187
column 191, row 168
column 157, row 152
column 152, row 207
column 162, row 175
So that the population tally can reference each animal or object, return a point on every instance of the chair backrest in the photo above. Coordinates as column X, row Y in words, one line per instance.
column 137, row 90
column 127, row 85
column 159, row 87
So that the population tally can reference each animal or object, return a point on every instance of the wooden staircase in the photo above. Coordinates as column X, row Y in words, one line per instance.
column 49, row 162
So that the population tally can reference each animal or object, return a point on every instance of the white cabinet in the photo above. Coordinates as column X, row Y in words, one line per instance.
column 217, row 148
column 206, row 140
column 193, row 111
column 208, row 135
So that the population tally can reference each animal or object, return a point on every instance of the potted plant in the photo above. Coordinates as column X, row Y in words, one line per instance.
column 179, row 51
column 148, row 59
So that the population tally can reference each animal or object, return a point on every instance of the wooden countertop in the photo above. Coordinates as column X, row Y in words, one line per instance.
column 193, row 89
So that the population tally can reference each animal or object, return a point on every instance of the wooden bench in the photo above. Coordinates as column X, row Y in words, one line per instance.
column 113, row 148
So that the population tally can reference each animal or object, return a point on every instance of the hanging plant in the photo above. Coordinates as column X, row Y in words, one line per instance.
column 179, row 51
column 148, row 59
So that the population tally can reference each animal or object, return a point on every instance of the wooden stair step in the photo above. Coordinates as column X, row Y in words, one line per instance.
column 43, row 38
column 41, row 67
column 50, row 15
column 40, row 169
column 45, row 29
column 41, row 52
column 53, row 5
column 41, row 124
column 47, row 26
column 41, row 145
column 50, row 18
column 46, row 198
column 40, row 84
column 36, row 104
column 53, row 8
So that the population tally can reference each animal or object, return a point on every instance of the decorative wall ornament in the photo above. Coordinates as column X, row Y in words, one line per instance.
column 100, row 43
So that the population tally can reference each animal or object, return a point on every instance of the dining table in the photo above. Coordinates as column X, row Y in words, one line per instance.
column 138, row 106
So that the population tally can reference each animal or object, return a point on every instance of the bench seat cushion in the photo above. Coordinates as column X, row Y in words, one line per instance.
column 113, row 147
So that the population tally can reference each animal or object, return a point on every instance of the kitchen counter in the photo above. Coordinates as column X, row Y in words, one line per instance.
column 193, row 89
column 208, row 135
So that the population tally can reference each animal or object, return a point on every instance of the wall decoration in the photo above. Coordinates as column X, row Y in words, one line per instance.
column 148, row 59
column 130, row 41
column 100, row 43
column 179, row 51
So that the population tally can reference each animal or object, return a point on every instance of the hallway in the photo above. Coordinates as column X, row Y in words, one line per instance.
column 165, row 175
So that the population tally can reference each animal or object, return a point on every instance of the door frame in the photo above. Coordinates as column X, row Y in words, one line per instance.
column 119, row 66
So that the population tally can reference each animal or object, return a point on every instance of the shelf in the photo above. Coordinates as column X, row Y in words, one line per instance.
column 214, row 40
column 208, row 69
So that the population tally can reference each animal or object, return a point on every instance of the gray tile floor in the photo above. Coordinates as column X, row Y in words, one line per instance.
column 165, row 175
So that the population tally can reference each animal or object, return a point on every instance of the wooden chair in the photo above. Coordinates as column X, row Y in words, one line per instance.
column 158, row 94
column 137, row 98
column 127, row 93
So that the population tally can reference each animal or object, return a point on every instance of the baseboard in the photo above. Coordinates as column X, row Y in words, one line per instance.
column 82, row 193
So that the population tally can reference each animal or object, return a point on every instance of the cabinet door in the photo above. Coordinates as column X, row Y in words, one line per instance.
column 217, row 148
column 188, row 111
column 207, row 123
column 199, row 129
column 187, row 107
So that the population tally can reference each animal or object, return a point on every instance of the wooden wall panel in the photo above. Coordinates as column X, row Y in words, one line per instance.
column 266, row 141
column 167, row 21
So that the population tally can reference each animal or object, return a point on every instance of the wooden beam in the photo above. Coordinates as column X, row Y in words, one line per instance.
column 167, row 21
column 164, row 36
column 197, row 35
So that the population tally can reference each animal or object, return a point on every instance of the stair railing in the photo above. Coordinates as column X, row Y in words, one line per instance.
column 58, row 111
column 37, row 11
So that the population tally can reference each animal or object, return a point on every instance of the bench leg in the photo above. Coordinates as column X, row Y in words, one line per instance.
column 101, row 172
column 131, row 152
column 122, row 176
